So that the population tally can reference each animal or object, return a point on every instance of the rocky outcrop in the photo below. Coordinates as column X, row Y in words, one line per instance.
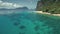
column 51, row 5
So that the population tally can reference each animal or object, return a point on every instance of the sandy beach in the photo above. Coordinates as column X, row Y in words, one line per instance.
column 41, row 12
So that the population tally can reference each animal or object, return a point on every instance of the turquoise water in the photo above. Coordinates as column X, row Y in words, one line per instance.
column 29, row 23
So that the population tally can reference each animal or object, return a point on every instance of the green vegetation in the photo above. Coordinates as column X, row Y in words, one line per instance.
column 53, row 6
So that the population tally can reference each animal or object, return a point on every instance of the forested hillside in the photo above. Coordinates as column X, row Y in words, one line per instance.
column 53, row 6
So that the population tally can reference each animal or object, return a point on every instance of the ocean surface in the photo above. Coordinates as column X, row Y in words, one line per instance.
column 27, row 22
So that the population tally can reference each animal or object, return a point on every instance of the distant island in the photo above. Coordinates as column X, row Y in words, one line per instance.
column 19, row 8
column 25, row 8
column 50, row 6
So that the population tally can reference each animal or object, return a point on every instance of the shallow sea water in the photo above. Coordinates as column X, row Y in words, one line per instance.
column 29, row 23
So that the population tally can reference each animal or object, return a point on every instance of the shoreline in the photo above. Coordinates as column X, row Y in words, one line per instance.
column 41, row 12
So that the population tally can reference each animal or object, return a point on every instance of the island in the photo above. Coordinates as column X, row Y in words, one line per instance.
column 49, row 6
column 19, row 8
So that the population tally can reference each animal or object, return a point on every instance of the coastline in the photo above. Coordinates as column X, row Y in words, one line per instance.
column 41, row 12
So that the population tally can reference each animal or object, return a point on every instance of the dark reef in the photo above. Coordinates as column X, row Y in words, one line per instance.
column 22, row 27
column 16, row 23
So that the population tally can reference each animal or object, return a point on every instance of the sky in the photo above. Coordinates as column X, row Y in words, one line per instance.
column 31, row 4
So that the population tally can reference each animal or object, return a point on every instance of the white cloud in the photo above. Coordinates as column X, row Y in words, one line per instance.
column 9, row 5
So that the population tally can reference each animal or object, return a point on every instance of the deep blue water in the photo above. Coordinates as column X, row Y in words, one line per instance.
column 29, row 23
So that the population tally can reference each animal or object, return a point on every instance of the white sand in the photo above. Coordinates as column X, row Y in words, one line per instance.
column 41, row 12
